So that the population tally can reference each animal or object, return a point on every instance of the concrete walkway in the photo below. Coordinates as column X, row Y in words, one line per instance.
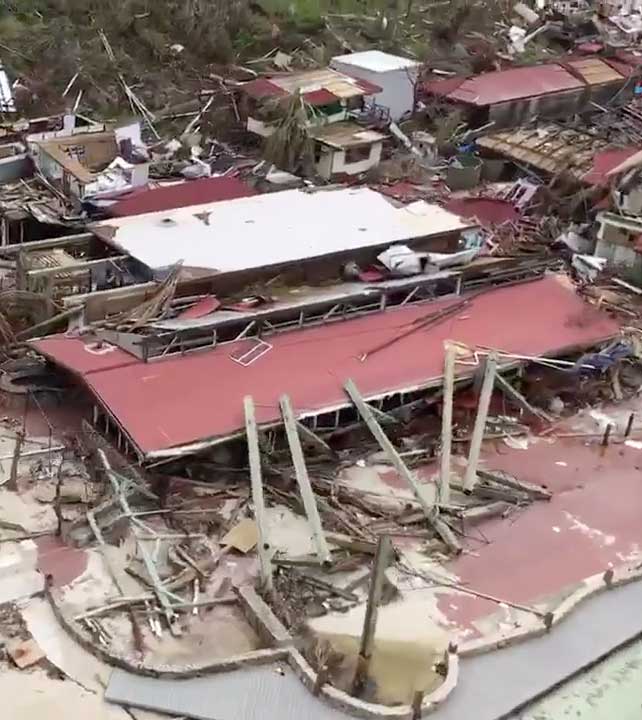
column 491, row 686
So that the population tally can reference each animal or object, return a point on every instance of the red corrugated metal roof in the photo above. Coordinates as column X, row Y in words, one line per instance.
column 185, row 399
column 604, row 162
column 191, row 192
column 320, row 97
column 262, row 88
column 487, row 211
column 506, row 85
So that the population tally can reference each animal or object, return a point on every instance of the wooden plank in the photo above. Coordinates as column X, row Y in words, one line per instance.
column 446, row 424
column 301, row 472
column 470, row 478
column 535, row 491
column 382, row 559
column 429, row 509
column 64, row 241
column 314, row 439
column 517, row 397
column 258, row 500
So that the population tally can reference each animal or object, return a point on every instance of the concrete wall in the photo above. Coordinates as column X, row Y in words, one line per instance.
column 398, row 86
column 333, row 162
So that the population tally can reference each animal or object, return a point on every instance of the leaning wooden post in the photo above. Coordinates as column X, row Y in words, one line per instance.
column 258, row 500
column 430, row 510
column 301, row 471
column 381, row 561
column 470, row 478
column 447, row 424
column 13, row 476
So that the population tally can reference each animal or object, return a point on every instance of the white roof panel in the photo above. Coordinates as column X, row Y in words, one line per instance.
column 376, row 61
column 271, row 229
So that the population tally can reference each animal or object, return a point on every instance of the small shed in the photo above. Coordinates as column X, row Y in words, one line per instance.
column 397, row 77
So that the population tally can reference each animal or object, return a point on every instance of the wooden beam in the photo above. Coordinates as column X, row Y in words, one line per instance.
column 76, row 267
column 446, row 424
column 532, row 490
column 301, row 471
column 258, row 500
column 382, row 417
column 47, row 325
column 64, row 241
column 518, row 398
column 429, row 509
column 470, row 478
column 314, row 439
column 13, row 474
column 382, row 559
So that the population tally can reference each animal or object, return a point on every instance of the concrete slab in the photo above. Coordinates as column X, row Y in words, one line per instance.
column 491, row 686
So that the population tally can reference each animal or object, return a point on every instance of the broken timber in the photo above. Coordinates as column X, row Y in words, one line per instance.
column 430, row 510
column 470, row 478
column 520, row 400
column 257, row 493
column 501, row 478
column 303, row 480
column 314, row 439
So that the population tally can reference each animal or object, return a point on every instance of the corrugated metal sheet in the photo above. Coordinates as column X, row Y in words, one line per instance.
column 595, row 71
column 337, row 84
column 507, row 85
column 554, row 150
column 267, row 692
column 191, row 192
column 186, row 399
column 282, row 227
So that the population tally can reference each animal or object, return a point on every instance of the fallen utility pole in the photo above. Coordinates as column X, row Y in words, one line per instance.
column 303, row 480
column 382, row 559
column 430, row 510
column 258, row 500
column 446, row 424
column 470, row 478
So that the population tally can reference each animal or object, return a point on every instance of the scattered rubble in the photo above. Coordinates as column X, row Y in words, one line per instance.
column 321, row 340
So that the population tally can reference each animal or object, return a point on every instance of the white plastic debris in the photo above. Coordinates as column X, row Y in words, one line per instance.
column 401, row 260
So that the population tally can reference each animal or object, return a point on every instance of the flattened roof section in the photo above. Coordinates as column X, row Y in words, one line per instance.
column 557, row 150
column 346, row 135
column 178, row 195
column 272, row 229
column 183, row 400
column 506, row 85
column 318, row 87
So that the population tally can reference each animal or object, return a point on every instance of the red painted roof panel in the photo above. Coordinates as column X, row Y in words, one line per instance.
column 320, row 97
column 506, row 85
column 262, row 88
column 167, row 403
column 191, row 192
column 604, row 162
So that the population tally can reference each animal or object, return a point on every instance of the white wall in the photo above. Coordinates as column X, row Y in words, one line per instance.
column 334, row 162
column 397, row 86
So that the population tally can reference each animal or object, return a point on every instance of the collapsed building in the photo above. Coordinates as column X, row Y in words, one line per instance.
column 342, row 450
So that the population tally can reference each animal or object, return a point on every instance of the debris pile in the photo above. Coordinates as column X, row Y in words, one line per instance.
column 321, row 361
